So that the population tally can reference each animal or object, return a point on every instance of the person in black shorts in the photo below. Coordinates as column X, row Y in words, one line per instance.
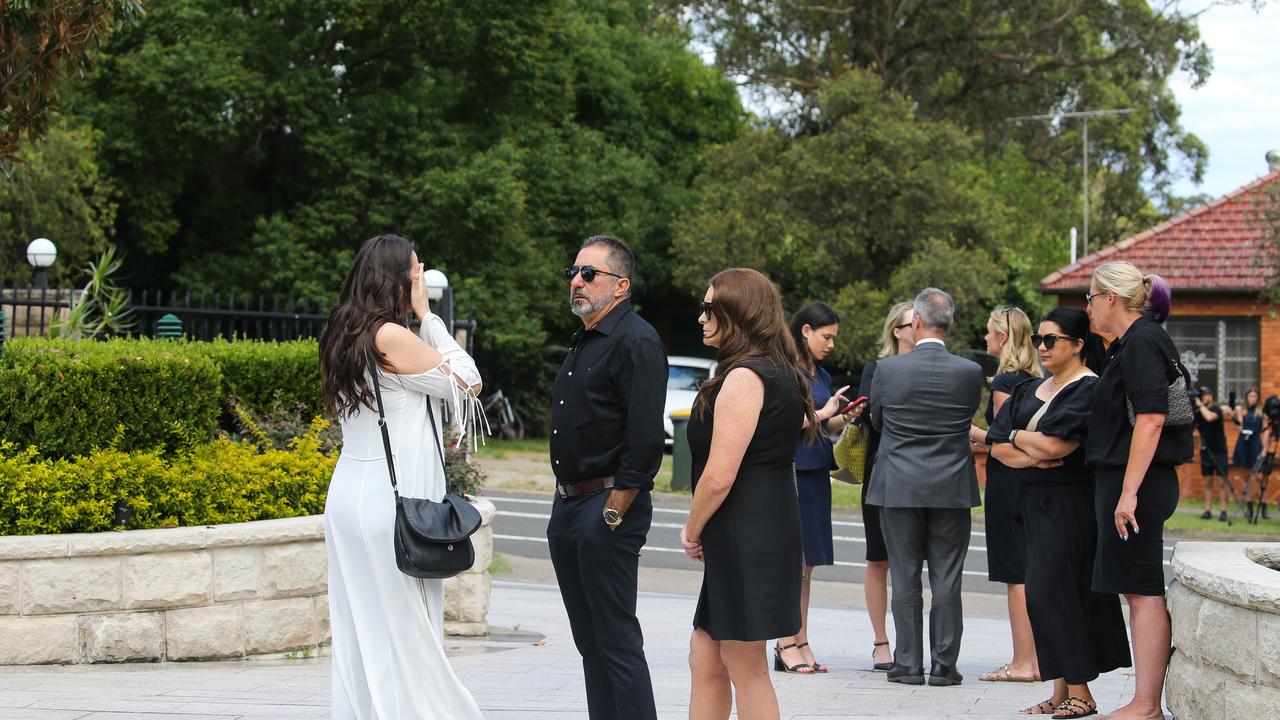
column 897, row 338
column 1135, row 464
column 1210, row 422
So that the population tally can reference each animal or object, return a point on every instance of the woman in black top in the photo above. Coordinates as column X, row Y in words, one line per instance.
column 897, row 338
column 1008, row 338
column 1136, row 482
column 1039, row 434
column 744, row 522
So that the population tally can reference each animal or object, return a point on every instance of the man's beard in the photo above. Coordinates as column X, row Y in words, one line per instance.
column 588, row 306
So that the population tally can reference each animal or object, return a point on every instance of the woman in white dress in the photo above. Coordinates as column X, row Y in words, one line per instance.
column 388, row 641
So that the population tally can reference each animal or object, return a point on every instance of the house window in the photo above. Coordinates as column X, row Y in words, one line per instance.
column 1220, row 354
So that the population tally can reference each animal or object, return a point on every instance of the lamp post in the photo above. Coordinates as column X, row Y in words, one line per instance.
column 440, row 294
column 40, row 254
column 1084, row 117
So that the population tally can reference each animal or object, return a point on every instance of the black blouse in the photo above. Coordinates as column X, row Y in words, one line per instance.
column 1067, row 418
column 1138, row 368
column 1004, row 382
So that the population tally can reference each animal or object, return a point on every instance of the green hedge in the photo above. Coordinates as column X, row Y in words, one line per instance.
column 217, row 482
column 69, row 396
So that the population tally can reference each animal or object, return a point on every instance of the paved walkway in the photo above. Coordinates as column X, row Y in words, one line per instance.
column 516, row 676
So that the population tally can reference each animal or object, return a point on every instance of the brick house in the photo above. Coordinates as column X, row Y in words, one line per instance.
column 1217, row 259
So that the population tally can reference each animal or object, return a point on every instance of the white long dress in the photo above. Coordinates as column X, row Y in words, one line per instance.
column 388, row 654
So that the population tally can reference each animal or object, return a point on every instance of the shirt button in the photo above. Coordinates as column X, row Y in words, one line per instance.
column 557, row 462
column 561, row 402
column 570, row 373
column 555, row 432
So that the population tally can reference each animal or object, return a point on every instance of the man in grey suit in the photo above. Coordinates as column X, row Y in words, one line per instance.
column 924, row 482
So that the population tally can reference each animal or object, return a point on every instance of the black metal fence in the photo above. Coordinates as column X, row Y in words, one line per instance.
column 204, row 316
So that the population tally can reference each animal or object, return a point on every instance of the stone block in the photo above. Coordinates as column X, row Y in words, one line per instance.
column 482, row 541
column 204, row 633
column 1269, row 650
column 137, row 542
column 33, row 547
column 1184, row 615
column 324, row 632
column 277, row 625
column 466, row 598
column 122, row 637
column 266, row 532
column 235, row 573
column 38, row 640
column 1227, row 636
column 294, row 569
column 1252, row 701
column 10, row 588
column 165, row 580
column 1196, row 691
column 464, row 629
column 70, row 585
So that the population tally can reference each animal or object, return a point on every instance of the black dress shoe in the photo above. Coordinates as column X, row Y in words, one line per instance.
column 905, row 675
column 942, row 676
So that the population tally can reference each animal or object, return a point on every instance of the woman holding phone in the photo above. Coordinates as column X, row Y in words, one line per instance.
column 814, row 329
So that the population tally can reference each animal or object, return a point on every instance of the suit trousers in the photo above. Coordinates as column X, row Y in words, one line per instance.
column 941, row 537
column 598, row 573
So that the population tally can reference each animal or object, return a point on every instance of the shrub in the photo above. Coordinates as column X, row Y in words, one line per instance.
column 216, row 482
column 68, row 397
column 263, row 374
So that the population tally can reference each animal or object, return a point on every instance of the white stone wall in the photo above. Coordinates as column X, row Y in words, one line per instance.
column 1225, row 611
column 223, row 591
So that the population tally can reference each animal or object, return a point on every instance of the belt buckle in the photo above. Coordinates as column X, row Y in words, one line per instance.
column 561, row 491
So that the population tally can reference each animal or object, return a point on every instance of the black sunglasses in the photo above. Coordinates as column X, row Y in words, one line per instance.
column 1049, row 340
column 588, row 273
column 706, row 309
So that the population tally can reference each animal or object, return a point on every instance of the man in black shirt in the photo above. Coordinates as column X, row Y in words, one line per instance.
column 606, row 446
column 1213, row 450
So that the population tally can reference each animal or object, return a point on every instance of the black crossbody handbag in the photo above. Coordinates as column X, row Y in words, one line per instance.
column 432, row 539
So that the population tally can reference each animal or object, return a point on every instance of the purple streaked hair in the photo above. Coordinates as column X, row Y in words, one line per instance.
column 1159, row 297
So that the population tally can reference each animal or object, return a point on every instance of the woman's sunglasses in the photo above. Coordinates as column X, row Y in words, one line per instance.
column 706, row 309
column 588, row 273
column 1049, row 340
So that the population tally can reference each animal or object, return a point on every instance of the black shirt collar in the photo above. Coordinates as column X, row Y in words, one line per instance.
column 1142, row 320
column 610, row 321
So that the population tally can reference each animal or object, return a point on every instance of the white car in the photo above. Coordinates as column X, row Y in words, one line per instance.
column 684, row 376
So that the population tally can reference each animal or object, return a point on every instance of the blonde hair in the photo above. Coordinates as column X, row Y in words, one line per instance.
column 1017, row 353
column 889, row 343
column 1144, row 293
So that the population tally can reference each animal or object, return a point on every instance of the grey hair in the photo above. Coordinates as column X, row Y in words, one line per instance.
column 936, row 309
column 621, row 259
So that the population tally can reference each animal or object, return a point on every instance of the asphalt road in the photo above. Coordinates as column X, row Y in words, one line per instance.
column 520, row 528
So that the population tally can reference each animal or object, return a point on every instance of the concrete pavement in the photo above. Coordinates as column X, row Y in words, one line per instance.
column 532, row 672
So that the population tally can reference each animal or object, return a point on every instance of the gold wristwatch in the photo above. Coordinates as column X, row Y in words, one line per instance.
column 612, row 518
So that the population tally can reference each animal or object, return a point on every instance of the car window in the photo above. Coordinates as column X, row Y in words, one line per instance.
column 680, row 377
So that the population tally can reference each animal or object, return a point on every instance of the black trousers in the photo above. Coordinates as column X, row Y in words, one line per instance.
column 598, row 573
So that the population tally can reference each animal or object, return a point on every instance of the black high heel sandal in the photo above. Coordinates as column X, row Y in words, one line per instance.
column 817, row 666
column 779, row 666
column 879, row 666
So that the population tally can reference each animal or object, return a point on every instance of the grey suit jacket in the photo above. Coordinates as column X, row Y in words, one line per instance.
column 923, row 403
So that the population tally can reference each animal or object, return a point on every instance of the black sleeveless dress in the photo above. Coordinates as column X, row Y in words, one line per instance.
column 752, row 546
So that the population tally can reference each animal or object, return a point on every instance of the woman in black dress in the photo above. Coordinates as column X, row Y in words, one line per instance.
column 814, row 329
column 1039, row 435
column 1008, row 338
column 897, row 338
column 744, row 522
column 1135, row 464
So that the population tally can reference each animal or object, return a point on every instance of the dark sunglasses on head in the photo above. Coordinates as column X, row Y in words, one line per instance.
column 588, row 273
column 1049, row 340
column 706, row 309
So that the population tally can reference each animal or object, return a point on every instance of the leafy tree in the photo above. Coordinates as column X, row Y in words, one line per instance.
column 42, row 42
column 55, row 190
column 262, row 142
column 871, row 209
column 978, row 63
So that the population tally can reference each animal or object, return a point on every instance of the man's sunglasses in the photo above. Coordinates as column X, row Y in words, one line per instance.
column 589, row 273
column 1049, row 340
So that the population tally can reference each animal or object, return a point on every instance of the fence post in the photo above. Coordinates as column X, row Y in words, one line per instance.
column 4, row 329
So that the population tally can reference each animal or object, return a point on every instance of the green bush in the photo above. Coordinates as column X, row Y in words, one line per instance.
column 68, row 397
column 217, row 482
column 262, row 374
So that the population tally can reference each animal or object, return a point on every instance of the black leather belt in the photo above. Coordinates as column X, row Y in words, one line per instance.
column 584, row 488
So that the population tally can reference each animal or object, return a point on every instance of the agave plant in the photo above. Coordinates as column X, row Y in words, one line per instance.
column 103, row 306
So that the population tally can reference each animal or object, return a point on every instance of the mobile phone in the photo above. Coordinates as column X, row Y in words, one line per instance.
column 858, row 401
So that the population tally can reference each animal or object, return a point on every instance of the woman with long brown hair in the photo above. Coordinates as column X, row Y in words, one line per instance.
column 744, row 522
column 388, row 652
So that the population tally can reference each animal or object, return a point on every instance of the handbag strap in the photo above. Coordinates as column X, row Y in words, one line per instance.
column 382, row 425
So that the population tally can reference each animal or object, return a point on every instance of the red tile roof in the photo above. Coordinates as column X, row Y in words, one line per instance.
column 1220, row 246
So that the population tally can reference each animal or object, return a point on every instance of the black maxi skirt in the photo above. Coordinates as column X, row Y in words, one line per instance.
column 1079, row 633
